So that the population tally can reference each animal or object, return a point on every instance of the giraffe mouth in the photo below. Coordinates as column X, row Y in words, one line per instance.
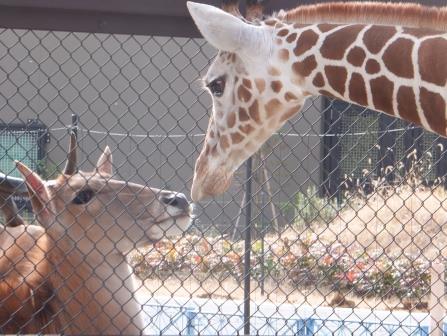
column 210, row 185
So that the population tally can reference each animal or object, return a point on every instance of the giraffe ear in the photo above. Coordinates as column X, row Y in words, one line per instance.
column 225, row 31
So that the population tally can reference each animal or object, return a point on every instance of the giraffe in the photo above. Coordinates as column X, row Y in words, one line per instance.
column 388, row 57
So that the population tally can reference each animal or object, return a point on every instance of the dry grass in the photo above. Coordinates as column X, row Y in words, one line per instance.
column 401, row 220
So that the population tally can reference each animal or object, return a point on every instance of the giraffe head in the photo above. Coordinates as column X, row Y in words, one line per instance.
column 251, row 97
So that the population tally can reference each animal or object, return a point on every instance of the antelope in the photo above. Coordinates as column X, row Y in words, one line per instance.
column 66, row 272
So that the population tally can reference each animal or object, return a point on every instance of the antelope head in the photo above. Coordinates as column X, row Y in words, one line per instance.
column 94, row 209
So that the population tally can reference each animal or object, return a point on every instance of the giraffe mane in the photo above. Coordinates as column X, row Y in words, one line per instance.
column 403, row 14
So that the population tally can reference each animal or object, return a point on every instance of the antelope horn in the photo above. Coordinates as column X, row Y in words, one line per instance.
column 232, row 7
column 255, row 9
column 10, row 211
column 11, row 185
column 71, row 165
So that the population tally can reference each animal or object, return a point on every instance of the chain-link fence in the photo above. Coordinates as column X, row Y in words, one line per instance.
column 346, row 221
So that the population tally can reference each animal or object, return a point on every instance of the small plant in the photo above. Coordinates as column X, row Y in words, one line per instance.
column 311, row 208
column 47, row 170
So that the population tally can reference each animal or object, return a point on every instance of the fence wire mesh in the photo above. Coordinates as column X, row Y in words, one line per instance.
column 347, row 219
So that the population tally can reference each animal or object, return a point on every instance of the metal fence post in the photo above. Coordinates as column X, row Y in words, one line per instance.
column 190, row 317
column 74, row 124
column 305, row 327
column 247, row 245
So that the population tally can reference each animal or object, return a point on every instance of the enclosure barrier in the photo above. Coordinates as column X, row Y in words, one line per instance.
column 332, row 228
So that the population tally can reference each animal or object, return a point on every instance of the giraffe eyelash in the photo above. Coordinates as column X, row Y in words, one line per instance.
column 203, row 82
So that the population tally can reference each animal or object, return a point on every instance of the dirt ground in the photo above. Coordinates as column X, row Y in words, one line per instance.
column 274, row 293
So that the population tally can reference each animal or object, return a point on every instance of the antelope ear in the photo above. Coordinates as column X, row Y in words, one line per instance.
column 38, row 192
column 104, row 164
column 225, row 31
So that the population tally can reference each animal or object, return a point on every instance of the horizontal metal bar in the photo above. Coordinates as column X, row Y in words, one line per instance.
column 144, row 7
column 93, row 22
column 140, row 17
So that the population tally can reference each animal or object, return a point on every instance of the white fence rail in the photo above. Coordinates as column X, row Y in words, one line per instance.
column 182, row 316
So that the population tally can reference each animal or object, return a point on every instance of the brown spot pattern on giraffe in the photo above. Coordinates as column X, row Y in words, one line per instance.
column 326, row 93
column 260, row 84
column 376, row 37
column 247, row 83
column 276, row 86
column 325, row 27
column 247, row 129
column 356, row 56
column 305, row 67
column 243, row 115
column 243, row 94
column 306, row 41
column 291, row 37
column 224, row 142
column 433, row 106
column 283, row 55
column 335, row 44
column 231, row 120
column 290, row 113
column 236, row 138
column 283, row 32
column 372, row 66
column 290, row 96
column 253, row 111
column 336, row 77
column 319, row 80
column 432, row 61
column 397, row 58
column 270, row 22
column 357, row 90
column 420, row 32
column 406, row 104
column 272, row 71
column 299, row 25
column 382, row 94
column 272, row 107
column 213, row 151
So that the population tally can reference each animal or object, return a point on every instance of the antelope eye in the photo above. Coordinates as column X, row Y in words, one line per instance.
column 217, row 86
column 83, row 197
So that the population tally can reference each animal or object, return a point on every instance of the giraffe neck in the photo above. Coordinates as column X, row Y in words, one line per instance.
column 395, row 70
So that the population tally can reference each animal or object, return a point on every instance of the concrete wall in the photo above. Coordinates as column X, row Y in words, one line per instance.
column 127, row 90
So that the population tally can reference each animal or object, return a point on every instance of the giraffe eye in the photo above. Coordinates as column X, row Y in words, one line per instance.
column 217, row 87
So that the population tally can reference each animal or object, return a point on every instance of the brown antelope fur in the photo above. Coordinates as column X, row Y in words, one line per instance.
column 36, row 294
column 387, row 57
column 11, row 216
column 67, row 272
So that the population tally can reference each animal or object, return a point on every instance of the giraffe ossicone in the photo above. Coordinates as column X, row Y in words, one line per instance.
column 264, row 72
